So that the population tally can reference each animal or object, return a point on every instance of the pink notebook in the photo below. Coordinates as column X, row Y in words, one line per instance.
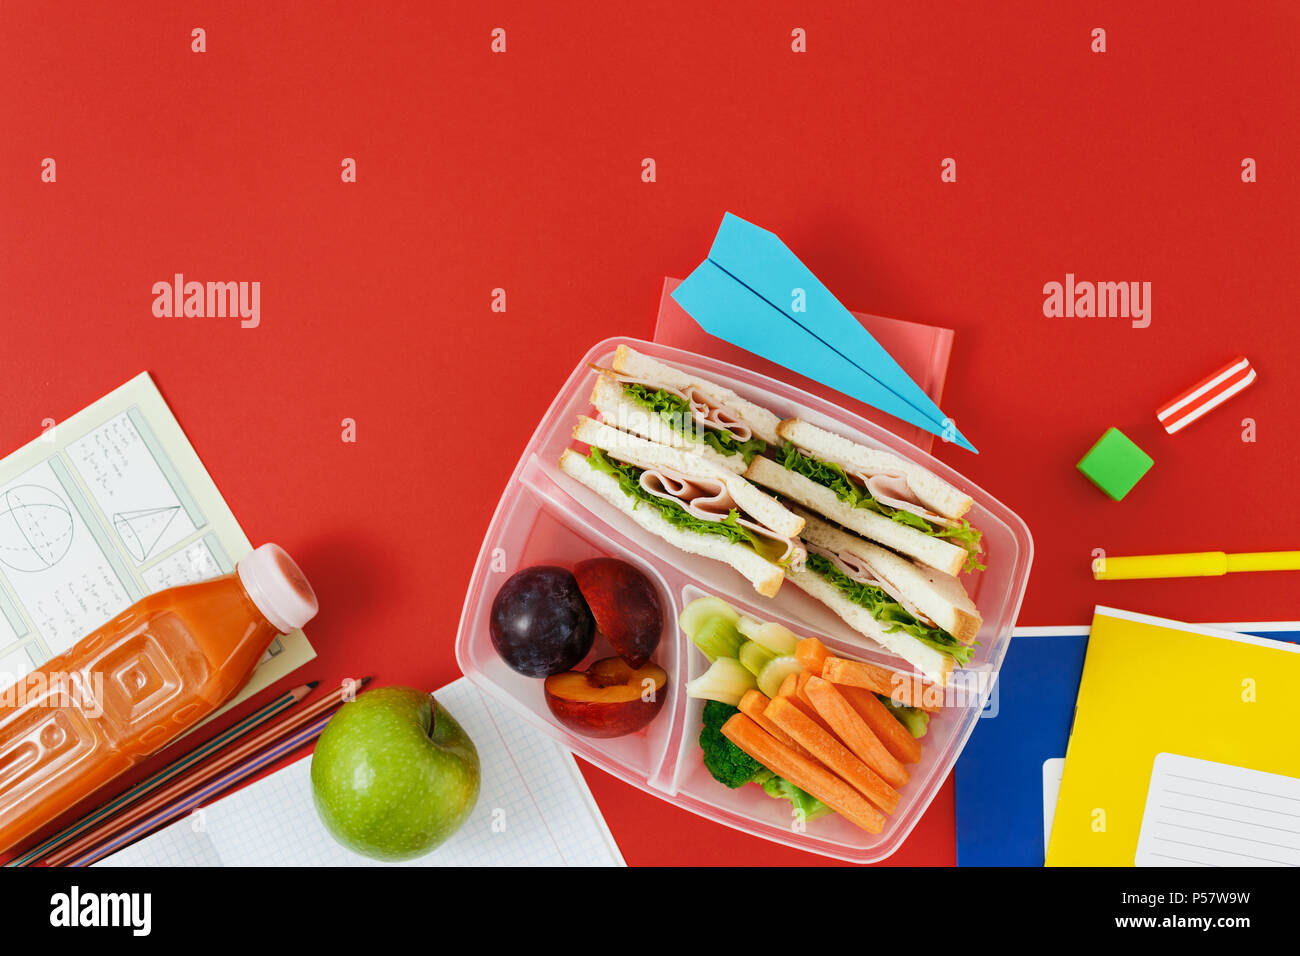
column 922, row 351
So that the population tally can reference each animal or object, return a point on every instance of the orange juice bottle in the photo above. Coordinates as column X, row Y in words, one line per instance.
column 137, row 683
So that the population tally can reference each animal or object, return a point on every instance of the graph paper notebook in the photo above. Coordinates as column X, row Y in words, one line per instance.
column 534, row 809
column 99, row 511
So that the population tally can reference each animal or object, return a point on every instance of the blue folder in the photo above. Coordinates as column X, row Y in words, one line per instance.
column 999, row 775
column 753, row 292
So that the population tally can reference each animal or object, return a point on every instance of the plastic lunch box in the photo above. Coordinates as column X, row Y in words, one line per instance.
column 545, row 517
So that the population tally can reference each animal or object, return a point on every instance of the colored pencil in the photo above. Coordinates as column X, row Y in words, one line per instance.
column 167, row 814
column 220, row 764
column 148, row 786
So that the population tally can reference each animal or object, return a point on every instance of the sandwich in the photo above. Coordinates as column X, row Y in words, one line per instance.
column 922, row 615
column 877, row 494
column 690, row 502
column 679, row 409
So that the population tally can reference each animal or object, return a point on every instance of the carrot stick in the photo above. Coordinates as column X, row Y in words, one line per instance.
column 804, row 702
column 753, row 705
column 794, row 692
column 902, row 688
column 812, row 654
column 833, row 754
column 854, row 732
column 800, row 682
column 898, row 740
column 802, row 772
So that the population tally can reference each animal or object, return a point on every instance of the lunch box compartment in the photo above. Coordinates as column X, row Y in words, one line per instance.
column 757, row 813
column 546, row 517
column 539, row 531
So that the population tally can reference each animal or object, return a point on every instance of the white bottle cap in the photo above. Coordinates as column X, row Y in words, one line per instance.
column 277, row 587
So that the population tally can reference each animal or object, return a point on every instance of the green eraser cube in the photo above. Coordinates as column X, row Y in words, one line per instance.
column 1115, row 464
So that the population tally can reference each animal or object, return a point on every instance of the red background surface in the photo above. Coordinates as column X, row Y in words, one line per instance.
column 522, row 171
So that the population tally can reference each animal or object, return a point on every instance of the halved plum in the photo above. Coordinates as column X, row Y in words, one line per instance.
column 626, row 606
column 609, row 699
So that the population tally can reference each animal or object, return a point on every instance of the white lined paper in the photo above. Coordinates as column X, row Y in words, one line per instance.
column 1202, row 813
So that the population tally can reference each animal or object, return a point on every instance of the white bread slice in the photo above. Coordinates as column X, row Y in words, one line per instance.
column 763, row 574
column 631, row 362
column 935, row 552
column 940, row 597
column 932, row 491
column 934, row 665
column 618, row 410
column 635, row 450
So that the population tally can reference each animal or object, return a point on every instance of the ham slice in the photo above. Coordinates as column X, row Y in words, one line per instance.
column 859, row 569
column 704, row 411
column 709, row 500
column 894, row 491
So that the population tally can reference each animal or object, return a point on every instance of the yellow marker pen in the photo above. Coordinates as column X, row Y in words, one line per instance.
column 1191, row 564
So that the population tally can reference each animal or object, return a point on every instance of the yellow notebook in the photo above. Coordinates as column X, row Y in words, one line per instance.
column 1185, row 749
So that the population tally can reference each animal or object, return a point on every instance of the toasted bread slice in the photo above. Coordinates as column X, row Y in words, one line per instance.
column 765, row 576
column 934, row 552
column 621, row 412
column 631, row 362
column 635, row 450
column 940, row 597
column 931, row 490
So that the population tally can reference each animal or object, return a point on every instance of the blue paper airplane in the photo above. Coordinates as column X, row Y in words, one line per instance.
column 753, row 292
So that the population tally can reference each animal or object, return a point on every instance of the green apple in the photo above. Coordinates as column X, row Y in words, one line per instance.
column 394, row 775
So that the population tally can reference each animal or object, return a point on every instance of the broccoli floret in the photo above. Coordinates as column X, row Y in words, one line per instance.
column 728, row 764
column 781, row 789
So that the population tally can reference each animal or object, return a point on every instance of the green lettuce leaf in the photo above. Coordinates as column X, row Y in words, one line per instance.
column 676, row 412
column 851, row 492
column 888, row 611
column 629, row 480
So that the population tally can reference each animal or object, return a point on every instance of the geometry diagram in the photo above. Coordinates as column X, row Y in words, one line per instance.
column 141, row 530
column 35, row 528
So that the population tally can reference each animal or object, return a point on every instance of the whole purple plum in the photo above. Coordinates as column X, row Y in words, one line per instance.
column 540, row 622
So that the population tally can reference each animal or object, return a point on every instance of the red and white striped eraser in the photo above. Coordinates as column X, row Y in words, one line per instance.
column 1212, row 391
